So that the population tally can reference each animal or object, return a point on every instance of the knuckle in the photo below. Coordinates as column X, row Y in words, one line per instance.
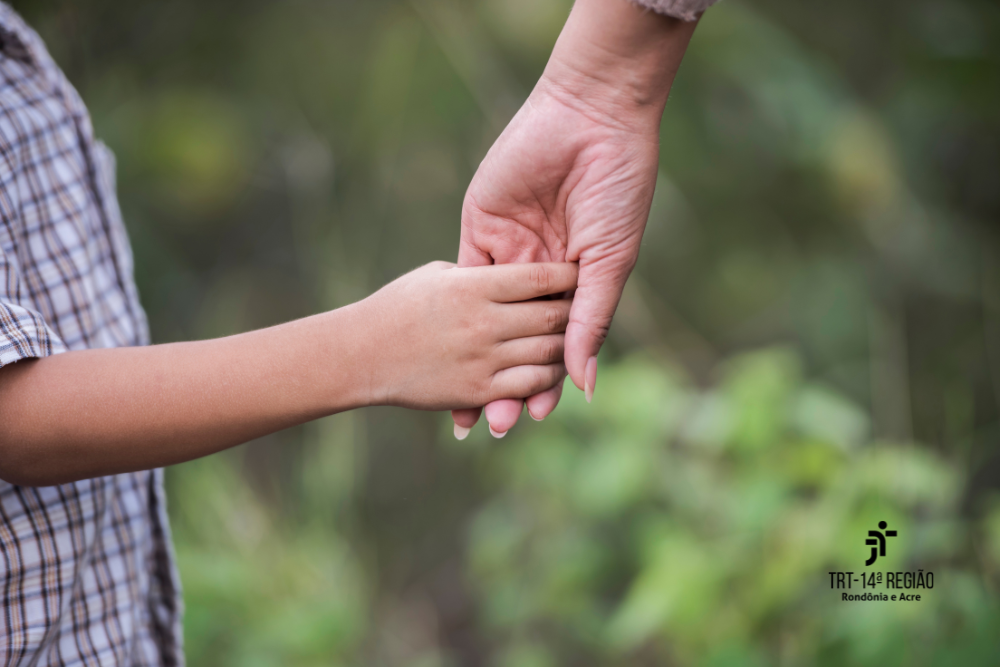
column 601, row 334
column 552, row 350
column 540, row 279
column 598, row 326
column 486, row 325
column 471, row 329
column 479, row 330
column 555, row 319
column 463, row 290
column 482, row 391
column 539, row 380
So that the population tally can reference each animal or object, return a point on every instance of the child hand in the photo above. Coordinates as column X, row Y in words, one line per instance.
column 444, row 337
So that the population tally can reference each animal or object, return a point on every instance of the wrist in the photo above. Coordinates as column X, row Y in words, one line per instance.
column 616, row 60
column 366, row 373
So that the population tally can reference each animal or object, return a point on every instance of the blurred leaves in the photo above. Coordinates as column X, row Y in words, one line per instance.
column 256, row 592
column 676, row 550
column 195, row 148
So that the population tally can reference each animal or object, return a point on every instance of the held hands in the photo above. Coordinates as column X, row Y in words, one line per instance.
column 572, row 176
column 562, row 184
column 445, row 337
column 570, row 179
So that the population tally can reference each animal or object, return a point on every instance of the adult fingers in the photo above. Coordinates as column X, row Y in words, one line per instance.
column 465, row 419
column 531, row 318
column 590, row 317
column 507, row 283
column 541, row 405
column 531, row 351
column 502, row 414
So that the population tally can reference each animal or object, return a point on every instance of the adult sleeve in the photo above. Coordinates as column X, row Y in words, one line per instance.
column 686, row 10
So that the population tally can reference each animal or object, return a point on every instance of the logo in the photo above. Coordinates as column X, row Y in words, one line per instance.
column 876, row 540
column 905, row 582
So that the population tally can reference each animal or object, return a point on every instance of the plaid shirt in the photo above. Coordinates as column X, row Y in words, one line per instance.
column 88, row 574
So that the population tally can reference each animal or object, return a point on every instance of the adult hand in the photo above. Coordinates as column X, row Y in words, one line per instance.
column 571, row 178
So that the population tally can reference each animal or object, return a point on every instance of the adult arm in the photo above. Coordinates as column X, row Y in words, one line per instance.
column 571, row 178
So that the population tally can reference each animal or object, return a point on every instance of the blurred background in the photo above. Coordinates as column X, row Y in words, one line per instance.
column 810, row 343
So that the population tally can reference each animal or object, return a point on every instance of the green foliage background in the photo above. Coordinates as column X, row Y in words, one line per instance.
column 810, row 343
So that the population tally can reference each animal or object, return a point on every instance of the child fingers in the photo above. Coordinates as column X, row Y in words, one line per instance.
column 520, row 282
column 531, row 318
column 465, row 419
column 535, row 350
column 524, row 381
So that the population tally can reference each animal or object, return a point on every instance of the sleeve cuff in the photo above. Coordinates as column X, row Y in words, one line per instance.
column 24, row 335
column 686, row 10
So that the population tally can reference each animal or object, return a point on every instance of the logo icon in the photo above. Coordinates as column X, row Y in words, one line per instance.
column 876, row 541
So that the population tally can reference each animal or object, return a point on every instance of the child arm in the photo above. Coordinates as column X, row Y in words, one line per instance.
column 436, row 338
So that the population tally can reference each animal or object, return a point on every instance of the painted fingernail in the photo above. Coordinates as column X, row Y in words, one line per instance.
column 497, row 435
column 461, row 433
column 590, row 378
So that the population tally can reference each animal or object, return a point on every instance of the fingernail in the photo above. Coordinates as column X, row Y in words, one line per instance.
column 461, row 433
column 537, row 419
column 497, row 435
column 590, row 378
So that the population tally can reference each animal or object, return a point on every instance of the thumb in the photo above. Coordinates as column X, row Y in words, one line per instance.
column 590, row 317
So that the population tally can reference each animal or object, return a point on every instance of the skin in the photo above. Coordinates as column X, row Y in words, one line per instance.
column 571, row 178
column 437, row 338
